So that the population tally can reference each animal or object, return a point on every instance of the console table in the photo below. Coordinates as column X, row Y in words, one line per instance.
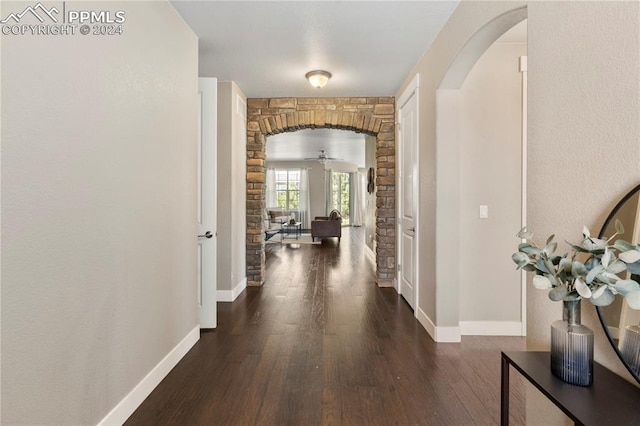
column 611, row 400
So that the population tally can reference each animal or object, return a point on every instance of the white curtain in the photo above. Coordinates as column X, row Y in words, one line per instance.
column 270, row 194
column 328, row 192
column 305, row 203
column 357, row 199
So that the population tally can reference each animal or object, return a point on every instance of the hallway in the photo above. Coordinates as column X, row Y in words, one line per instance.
column 319, row 343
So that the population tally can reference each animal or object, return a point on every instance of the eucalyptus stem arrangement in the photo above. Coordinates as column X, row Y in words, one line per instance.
column 590, row 270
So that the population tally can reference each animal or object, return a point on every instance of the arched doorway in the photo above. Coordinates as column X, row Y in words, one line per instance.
column 448, row 209
column 374, row 116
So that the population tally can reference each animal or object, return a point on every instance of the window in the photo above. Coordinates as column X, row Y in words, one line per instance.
column 288, row 189
column 340, row 192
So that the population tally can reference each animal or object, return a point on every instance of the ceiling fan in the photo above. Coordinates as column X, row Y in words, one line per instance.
column 322, row 158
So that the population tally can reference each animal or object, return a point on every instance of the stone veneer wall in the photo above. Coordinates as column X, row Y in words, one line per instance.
column 373, row 116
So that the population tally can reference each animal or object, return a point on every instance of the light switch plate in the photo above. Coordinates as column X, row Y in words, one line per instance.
column 484, row 212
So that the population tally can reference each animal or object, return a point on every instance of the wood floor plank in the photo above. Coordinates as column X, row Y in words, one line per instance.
column 319, row 343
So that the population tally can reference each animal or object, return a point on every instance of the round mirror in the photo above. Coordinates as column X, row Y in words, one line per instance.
column 621, row 323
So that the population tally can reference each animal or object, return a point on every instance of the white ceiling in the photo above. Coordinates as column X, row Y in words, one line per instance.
column 341, row 144
column 267, row 47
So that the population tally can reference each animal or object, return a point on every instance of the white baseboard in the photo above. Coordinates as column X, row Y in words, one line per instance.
column 121, row 412
column 448, row 334
column 438, row 334
column 369, row 253
column 491, row 328
column 425, row 321
column 231, row 295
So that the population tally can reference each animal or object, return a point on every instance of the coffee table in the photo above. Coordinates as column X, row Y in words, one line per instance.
column 291, row 230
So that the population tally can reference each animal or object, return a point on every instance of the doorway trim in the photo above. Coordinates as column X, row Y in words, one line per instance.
column 370, row 115
column 412, row 91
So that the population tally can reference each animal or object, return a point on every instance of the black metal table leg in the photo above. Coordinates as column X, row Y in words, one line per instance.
column 504, row 393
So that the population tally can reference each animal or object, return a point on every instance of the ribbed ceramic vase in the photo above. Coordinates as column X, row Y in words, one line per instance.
column 630, row 347
column 572, row 347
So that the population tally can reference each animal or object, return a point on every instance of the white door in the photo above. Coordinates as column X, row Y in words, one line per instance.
column 207, row 146
column 408, row 177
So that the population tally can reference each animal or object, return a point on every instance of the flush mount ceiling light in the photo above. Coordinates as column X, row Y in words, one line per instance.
column 318, row 78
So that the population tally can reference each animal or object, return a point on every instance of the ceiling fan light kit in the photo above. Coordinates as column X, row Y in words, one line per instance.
column 318, row 78
column 322, row 158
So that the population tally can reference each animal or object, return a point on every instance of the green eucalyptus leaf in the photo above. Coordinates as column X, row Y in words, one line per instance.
column 550, row 248
column 565, row 265
column 577, row 248
column 608, row 278
column 585, row 231
column 520, row 259
column 605, row 298
column 624, row 287
column 524, row 248
column 550, row 267
column 558, row 293
column 633, row 300
column 616, row 267
column 594, row 245
column 529, row 268
column 592, row 263
column 593, row 273
column 598, row 292
column 622, row 245
column 634, row 268
column 578, row 269
column 631, row 256
column 542, row 282
column 551, row 237
column 619, row 227
column 530, row 250
column 524, row 234
column 540, row 266
column 607, row 258
column 582, row 289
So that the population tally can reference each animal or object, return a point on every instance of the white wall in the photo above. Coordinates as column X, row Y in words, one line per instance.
column 232, row 195
column 584, row 117
column 584, row 113
column 98, row 211
column 490, row 132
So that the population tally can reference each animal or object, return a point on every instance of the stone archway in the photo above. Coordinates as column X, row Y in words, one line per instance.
column 374, row 116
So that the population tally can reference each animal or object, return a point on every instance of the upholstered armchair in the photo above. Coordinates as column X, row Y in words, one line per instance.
column 273, row 220
column 327, row 226
column 276, row 217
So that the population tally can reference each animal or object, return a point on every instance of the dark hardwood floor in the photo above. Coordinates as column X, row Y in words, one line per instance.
column 319, row 343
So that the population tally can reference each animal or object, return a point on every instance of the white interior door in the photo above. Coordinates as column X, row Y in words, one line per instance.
column 207, row 235
column 408, row 176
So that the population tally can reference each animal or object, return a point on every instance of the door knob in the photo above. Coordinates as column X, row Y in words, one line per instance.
column 412, row 229
column 207, row 234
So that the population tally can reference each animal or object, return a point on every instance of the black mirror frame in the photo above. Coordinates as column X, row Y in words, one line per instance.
column 606, row 224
